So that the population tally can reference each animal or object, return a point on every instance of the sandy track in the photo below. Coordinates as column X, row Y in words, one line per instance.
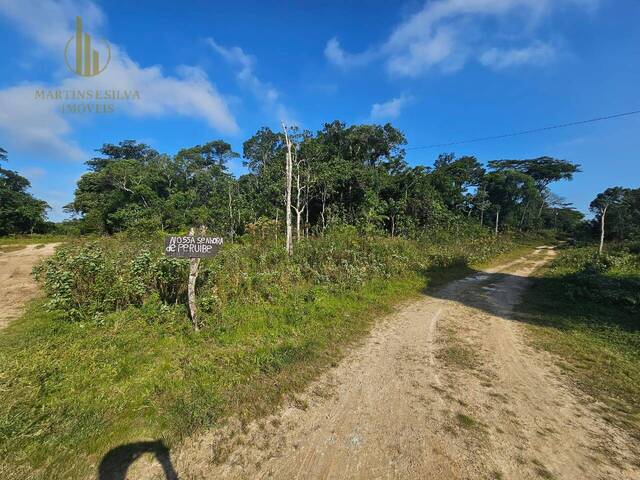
column 17, row 286
column 409, row 403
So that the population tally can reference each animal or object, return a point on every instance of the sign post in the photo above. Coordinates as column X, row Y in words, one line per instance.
column 194, row 248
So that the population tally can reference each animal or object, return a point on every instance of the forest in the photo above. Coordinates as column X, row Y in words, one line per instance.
column 341, row 175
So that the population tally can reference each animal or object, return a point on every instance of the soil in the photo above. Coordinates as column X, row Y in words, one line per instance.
column 17, row 285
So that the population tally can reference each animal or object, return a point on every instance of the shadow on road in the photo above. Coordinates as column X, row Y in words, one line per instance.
column 585, row 298
column 116, row 462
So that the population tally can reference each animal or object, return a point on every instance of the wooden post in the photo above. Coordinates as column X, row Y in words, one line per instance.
column 194, row 265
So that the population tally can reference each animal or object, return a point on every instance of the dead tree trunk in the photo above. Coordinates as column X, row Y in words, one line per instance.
column 300, row 206
column 231, row 220
column 604, row 212
column 322, row 211
column 289, row 173
column 497, row 220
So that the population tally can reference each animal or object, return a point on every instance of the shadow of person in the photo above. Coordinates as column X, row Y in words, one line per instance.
column 116, row 462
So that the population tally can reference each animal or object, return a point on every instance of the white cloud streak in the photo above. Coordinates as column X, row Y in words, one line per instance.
column 444, row 34
column 336, row 55
column 268, row 95
column 390, row 109
column 536, row 54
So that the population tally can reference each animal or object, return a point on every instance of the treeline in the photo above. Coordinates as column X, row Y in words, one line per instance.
column 341, row 175
column 20, row 212
column 617, row 212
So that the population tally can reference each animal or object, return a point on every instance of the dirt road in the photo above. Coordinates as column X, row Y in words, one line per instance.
column 445, row 388
column 17, row 286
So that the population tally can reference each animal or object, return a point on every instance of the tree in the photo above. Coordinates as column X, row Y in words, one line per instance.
column 509, row 191
column 288, row 177
column 20, row 212
column 341, row 174
column 543, row 170
column 603, row 201
column 156, row 192
column 481, row 202
column 265, row 156
column 453, row 176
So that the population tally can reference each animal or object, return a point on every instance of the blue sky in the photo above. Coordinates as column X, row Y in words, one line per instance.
column 441, row 71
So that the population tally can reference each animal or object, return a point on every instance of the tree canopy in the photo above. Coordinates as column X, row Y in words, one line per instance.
column 354, row 175
column 20, row 212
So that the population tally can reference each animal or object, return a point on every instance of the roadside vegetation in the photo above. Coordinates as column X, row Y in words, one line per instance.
column 585, row 308
column 35, row 239
column 108, row 357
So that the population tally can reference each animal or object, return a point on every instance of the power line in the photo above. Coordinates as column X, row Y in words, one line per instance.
column 524, row 132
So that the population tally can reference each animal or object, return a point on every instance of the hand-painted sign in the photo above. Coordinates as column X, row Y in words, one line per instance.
column 190, row 246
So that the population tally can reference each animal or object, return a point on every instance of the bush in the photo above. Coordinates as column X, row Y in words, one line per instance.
column 613, row 277
column 87, row 279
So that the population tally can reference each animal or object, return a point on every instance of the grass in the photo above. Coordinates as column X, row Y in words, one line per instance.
column 465, row 421
column 11, row 248
column 542, row 471
column 457, row 354
column 71, row 391
column 597, row 343
column 36, row 238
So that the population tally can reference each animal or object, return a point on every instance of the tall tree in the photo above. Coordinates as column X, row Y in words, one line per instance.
column 509, row 191
column 288, row 185
column 601, row 204
column 453, row 176
column 543, row 170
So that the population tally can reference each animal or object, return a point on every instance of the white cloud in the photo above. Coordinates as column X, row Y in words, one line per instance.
column 31, row 125
column 264, row 92
column 445, row 34
column 39, row 126
column 424, row 54
column 390, row 109
column 46, row 21
column 536, row 54
column 336, row 55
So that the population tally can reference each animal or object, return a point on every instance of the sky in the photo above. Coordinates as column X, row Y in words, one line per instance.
column 441, row 71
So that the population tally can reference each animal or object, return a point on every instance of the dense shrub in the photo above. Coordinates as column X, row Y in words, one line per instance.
column 89, row 278
column 86, row 279
column 612, row 277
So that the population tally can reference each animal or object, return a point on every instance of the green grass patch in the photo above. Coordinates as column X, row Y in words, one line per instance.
column 465, row 421
column 11, row 248
column 597, row 341
column 32, row 239
column 459, row 355
column 71, row 390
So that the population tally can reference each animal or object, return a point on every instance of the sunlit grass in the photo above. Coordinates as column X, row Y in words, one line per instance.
column 70, row 391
